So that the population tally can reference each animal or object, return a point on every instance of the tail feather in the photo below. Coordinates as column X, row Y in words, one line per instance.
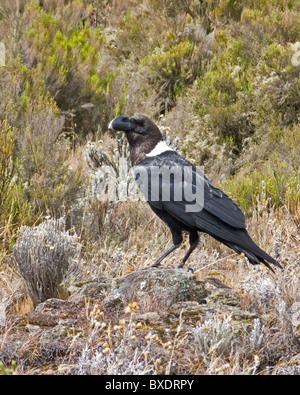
column 240, row 241
column 255, row 255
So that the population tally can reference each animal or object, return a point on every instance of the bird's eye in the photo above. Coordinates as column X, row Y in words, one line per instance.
column 139, row 121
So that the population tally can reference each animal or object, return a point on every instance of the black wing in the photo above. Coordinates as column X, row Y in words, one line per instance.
column 216, row 208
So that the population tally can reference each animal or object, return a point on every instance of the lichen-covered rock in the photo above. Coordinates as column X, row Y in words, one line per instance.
column 53, row 312
column 90, row 290
column 159, row 289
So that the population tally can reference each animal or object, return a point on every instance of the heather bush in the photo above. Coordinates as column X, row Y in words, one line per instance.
column 44, row 254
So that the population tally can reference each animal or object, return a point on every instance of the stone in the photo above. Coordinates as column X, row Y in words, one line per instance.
column 158, row 289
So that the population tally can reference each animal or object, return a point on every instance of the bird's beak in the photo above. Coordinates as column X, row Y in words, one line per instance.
column 123, row 124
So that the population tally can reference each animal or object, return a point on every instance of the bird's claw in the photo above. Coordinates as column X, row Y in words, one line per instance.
column 169, row 266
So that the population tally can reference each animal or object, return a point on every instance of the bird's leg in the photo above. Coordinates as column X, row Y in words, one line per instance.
column 194, row 239
column 177, row 240
column 162, row 257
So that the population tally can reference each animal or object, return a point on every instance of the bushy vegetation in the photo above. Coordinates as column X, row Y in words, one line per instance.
column 44, row 255
column 219, row 76
column 221, row 72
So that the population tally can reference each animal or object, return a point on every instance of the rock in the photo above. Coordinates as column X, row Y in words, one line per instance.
column 51, row 305
column 150, row 317
column 157, row 289
column 90, row 290
column 114, row 303
column 167, row 299
column 54, row 312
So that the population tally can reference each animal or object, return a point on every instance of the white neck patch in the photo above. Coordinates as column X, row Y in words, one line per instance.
column 160, row 147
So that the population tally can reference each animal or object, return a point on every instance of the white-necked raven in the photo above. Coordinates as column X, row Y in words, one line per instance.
column 217, row 214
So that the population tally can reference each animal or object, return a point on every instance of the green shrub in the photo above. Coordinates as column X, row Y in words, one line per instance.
column 181, row 56
column 224, row 98
column 7, row 162
column 63, row 60
column 277, row 184
column 13, row 210
column 172, row 70
column 44, row 159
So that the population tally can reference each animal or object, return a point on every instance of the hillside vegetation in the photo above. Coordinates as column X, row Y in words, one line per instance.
column 222, row 80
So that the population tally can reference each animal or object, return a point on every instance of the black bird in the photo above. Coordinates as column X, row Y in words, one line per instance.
column 219, row 216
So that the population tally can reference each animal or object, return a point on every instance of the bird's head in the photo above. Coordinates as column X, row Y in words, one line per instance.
column 138, row 129
column 142, row 135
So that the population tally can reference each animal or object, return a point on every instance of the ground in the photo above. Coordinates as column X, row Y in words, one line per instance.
column 162, row 321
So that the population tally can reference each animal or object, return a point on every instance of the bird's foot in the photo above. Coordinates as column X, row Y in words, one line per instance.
column 189, row 269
